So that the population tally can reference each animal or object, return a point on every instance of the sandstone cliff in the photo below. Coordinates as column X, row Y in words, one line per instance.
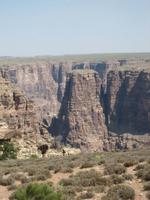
column 123, row 97
column 45, row 83
column 81, row 120
column 18, row 122
column 128, row 95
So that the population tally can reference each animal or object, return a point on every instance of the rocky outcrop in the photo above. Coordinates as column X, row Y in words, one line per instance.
column 44, row 83
column 81, row 120
column 18, row 122
column 128, row 101
column 122, row 94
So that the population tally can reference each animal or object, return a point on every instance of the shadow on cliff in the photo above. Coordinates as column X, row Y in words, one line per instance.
column 60, row 124
column 130, row 115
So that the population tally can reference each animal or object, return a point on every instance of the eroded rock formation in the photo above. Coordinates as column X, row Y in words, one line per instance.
column 128, row 95
column 123, row 94
column 18, row 122
column 45, row 83
column 81, row 120
column 42, row 83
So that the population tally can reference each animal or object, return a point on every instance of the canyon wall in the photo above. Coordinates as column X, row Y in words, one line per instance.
column 81, row 120
column 128, row 101
column 18, row 121
column 45, row 83
column 61, row 106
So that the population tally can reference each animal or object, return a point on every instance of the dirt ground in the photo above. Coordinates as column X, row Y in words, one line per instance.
column 136, row 184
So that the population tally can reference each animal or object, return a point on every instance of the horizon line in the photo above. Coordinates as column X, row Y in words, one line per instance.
column 72, row 54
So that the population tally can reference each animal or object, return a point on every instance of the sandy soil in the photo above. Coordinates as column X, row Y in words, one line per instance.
column 136, row 184
column 4, row 193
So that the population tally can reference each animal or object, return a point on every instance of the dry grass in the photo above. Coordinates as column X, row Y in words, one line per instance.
column 80, row 176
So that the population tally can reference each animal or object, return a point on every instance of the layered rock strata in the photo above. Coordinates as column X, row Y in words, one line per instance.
column 45, row 83
column 18, row 122
column 123, row 93
column 81, row 120
column 128, row 101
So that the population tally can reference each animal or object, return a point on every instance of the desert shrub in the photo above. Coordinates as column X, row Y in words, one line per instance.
column 117, row 179
column 21, row 177
column 147, row 186
column 130, row 163
column 86, row 179
column 114, row 169
column 69, row 192
column 66, row 170
column 92, row 178
column 128, row 177
column 41, row 177
column 35, row 191
column 148, row 161
column 86, row 195
column 87, row 164
column 13, row 186
column 34, row 156
column 67, row 182
column 98, row 189
column 138, row 167
column 8, row 151
column 121, row 160
column 57, row 169
column 32, row 171
column 51, row 167
column 6, row 181
column 146, row 176
column 101, row 162
column 148, row 195
column 42, row 174
column 144, row 173
column 45, row 172
column 141, row 159
column 120, row 192
column 140, row 174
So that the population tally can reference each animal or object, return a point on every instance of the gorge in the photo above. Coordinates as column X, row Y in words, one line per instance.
column 93, row 106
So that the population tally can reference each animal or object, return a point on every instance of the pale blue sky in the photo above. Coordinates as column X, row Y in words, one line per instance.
column 50, row 27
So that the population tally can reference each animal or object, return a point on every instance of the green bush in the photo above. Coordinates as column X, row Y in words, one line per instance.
column 8, row 151
column 120, row 192
column 35, row 191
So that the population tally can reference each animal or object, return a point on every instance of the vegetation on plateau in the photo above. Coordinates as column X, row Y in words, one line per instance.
column 106, row 176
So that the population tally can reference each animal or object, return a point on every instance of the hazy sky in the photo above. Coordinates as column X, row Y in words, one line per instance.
column 47, row 27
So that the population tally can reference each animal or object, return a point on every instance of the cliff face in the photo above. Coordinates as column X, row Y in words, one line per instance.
column 45, row 83
column 123, row 95
column 128, row 101
column 81, row 120
column 18, row 122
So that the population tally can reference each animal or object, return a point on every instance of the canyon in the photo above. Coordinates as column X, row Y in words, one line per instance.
column 93, row 106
